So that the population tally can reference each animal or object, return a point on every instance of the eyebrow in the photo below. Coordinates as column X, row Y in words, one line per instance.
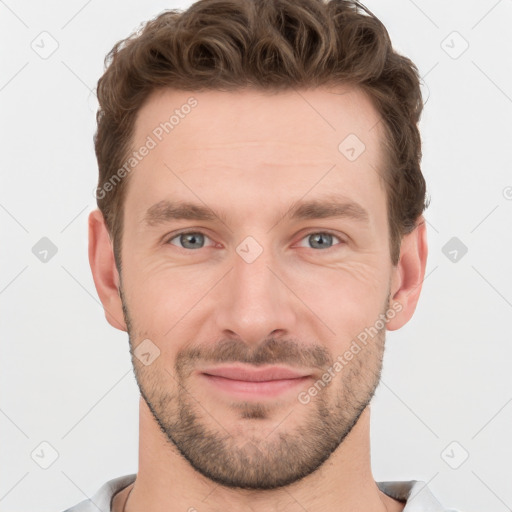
column 323, row 208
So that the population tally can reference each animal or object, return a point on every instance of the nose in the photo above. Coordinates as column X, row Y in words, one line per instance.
column 254, row 301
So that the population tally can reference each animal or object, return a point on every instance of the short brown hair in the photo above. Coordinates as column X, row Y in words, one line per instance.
column 269, row 45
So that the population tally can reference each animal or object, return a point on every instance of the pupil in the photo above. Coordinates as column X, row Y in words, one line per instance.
column 318, row 237
column 192, row 238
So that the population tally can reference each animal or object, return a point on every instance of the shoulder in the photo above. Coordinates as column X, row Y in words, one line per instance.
column 415, row 494
column 102, row 498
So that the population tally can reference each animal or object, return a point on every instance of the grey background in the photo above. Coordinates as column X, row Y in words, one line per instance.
column 65, row 374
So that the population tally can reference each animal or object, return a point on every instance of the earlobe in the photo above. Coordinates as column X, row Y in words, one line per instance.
column 104, row 271
column 408, row 276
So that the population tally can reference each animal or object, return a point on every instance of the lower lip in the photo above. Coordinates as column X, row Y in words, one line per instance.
column 268, row 388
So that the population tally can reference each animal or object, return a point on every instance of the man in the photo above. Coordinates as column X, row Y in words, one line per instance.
column 259, row 229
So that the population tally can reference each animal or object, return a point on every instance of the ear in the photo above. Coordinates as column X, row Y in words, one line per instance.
column 408, row 275
column 104, row 270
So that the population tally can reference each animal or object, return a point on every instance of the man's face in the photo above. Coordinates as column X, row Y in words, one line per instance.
column 261, row 283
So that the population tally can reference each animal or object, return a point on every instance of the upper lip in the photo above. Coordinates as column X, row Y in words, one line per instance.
column 252, row 374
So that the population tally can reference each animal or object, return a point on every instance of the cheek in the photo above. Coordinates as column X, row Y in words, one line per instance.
column 162, row 299
column 347, row 298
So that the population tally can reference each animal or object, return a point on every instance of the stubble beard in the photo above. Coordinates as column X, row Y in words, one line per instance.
column 244, row 458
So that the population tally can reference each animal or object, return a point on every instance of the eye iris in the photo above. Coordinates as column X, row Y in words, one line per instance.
column 314, row 240
column 193, row 238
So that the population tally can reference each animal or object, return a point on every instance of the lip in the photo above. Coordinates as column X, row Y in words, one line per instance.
column 255, row 374
column 248, row 382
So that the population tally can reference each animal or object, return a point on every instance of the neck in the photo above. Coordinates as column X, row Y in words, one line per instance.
column 167, row 482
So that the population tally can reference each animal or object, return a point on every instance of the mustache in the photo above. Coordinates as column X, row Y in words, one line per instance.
column 272, row 351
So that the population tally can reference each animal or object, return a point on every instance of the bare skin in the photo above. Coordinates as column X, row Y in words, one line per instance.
column 250, row 158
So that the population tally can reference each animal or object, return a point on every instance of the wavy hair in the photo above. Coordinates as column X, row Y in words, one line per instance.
column 269, row 45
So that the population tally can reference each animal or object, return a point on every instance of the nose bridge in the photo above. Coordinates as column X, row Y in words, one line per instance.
column 254, row 302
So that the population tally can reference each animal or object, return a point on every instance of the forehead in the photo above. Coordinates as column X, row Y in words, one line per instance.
column 322, row 116
column 256, row 143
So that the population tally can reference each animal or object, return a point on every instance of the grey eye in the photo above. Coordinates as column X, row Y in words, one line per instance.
column 189, row 240
column 320, row 240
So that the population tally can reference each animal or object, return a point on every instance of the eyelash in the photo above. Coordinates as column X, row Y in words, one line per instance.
column 324, row 232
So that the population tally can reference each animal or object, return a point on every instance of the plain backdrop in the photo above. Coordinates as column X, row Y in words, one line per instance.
column 443, row 411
